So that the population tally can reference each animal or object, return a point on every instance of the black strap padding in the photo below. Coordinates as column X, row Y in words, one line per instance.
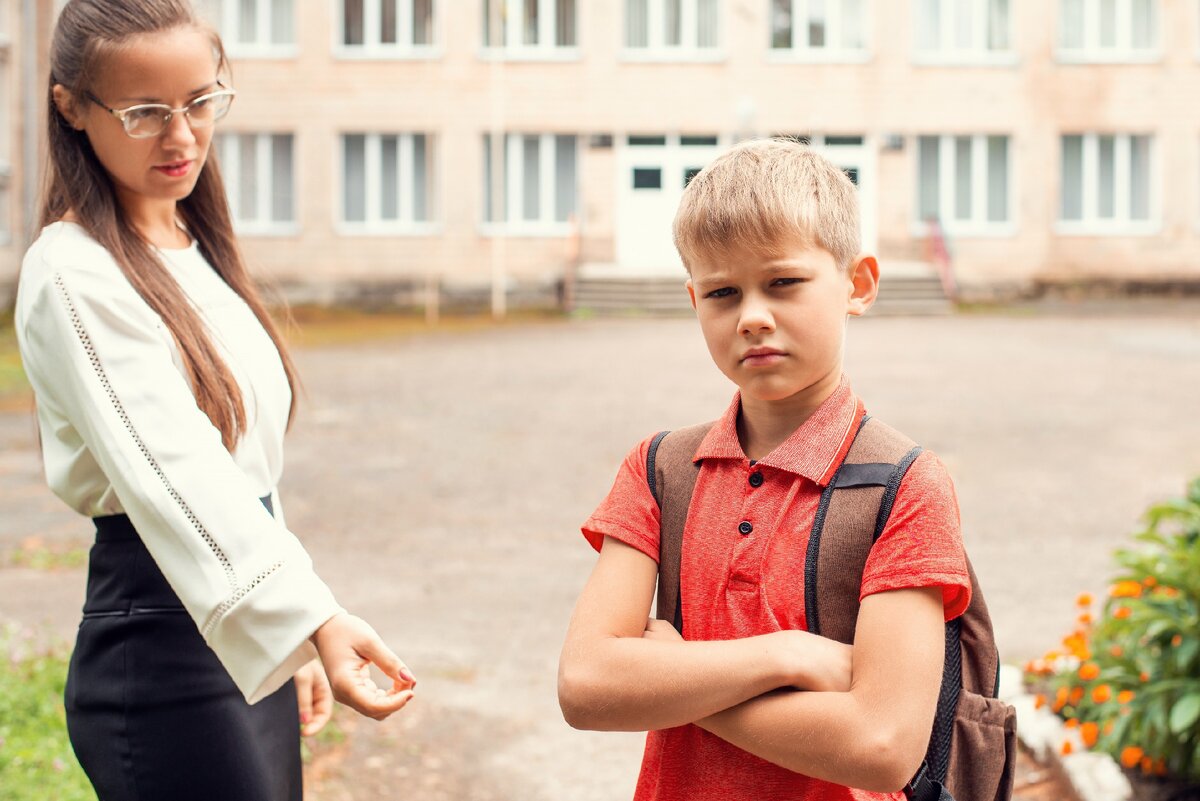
column 923, row 787
column 938, row 754
column 651, row 455
column 811, row 612
column 893, row 488
column 871, row 474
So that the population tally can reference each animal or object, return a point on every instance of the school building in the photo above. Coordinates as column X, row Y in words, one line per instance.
column 500, row 146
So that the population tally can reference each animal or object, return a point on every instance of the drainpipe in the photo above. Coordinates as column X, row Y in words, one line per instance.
column 30, row 130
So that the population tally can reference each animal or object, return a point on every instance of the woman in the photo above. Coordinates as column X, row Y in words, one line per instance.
column 163, row 392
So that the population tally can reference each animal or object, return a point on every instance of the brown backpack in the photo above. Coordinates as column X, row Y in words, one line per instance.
column 972, row 749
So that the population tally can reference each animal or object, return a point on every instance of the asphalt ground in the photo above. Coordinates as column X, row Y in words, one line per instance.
column 439, row 481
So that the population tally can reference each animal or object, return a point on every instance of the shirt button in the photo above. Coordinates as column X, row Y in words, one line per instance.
column 756, row 479
column 745, row 527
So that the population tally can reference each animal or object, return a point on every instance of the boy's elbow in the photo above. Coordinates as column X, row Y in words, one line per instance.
column 891, row 759
column 575, row 696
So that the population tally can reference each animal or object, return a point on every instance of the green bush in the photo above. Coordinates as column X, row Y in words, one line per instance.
column 36, row 761
column 1130, row 681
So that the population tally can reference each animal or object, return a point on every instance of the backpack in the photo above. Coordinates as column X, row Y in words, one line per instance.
column 972, row 748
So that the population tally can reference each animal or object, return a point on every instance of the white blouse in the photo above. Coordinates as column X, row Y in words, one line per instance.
column 121, row 432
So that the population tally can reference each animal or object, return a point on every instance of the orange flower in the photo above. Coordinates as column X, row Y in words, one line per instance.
column 1122, row 612
column 1090, row 733
column 1177, row 640
column 1144, row 676
column 1131, row 755
column 1084, row 599
column 1067, row 748
column 1076, row 696
column 1039, row 701
column 1126, row 589
column 1117, row 651
column 1071, row 723
column 1160, row 767
column 1108, row 727
column 1085, row 619
column 1089, row 671
column 1051, row 656
column 1147, row 764
column 1150, row 581
column 1167, row 592
column 1101, row 694
column 1125, row 696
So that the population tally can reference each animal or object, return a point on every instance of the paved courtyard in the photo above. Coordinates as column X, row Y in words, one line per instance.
column 439, row 481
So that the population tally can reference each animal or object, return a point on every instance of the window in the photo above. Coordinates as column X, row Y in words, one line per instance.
column 824, row 30
column 530, row 28
column 1108, row 30
column 259, row 174
column 538, row 175
column 258, row 27
column 964, row 31
column 964, row 183
column 386, row 28
column 1107, row 183
column 387, row 181
column 670, row 29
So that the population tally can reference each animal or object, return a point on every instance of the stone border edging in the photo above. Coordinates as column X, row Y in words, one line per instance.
column 1093, row 775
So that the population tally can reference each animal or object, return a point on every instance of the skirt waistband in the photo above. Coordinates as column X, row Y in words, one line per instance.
column 119, row 528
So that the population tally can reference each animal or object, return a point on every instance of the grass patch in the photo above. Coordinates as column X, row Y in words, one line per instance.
column 36, row 554
column 318, row 326
column 36, row 761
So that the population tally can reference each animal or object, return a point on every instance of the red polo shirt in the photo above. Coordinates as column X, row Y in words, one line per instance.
column 736, row 585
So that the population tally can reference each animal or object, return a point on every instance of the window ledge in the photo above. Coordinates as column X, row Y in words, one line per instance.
column 264, row 52
column 1004, row 58
column 388, row 229
column 1114, row 57
column 278, row 230
column 787, row 55
column 386, row 53
column 998, row 230
column 509, row 55
column 672, row 56
column 1109, row 228
column 526, row 230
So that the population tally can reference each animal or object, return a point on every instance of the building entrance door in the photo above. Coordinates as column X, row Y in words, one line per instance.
column 857, row 160
column 652, row 172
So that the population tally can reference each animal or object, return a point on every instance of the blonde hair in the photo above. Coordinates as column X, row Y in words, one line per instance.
column 762, row 194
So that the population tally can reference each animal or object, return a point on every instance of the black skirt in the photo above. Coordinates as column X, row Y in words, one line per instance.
column 151, row 712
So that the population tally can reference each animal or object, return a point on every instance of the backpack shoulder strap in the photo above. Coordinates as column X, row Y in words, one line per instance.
column 852, row 512
column 671, row 473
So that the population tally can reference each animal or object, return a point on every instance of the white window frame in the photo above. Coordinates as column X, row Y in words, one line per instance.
column 375, row 225
column 372, row 49
column 801, row 51
column 1123, row 52
column 979, row 225
column 688, row 49
column 978, row 54
column 545, row 225
column 1120, row 223
column 513, row 49
column 230, row 23
column 231, row 172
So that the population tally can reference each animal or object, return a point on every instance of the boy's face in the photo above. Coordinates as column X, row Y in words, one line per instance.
column 775, row 324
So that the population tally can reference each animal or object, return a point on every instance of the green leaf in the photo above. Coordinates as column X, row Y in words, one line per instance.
column 1185, row 713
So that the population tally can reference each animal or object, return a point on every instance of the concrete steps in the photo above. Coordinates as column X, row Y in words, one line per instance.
column 905, row 289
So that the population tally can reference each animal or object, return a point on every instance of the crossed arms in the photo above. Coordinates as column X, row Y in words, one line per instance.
column 854, row 715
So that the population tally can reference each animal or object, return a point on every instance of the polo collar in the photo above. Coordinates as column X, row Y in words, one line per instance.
column 814, row 450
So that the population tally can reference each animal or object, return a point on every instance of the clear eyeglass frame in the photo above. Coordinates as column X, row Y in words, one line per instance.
column 148, row 120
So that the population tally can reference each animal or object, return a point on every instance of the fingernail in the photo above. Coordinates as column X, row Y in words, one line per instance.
column 407, row 675
column 305, row 718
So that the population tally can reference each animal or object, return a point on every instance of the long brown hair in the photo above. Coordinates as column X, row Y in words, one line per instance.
column 87, row 31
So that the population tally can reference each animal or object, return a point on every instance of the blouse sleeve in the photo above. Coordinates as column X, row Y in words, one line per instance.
column 104, row 360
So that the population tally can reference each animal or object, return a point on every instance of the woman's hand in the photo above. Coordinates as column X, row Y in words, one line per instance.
column 314, row 696
column 348, row 647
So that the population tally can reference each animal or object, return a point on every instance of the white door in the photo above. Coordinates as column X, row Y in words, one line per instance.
column 852, row 154
column 652, row 172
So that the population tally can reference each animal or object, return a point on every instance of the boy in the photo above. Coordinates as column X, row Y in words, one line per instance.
column 747, row 704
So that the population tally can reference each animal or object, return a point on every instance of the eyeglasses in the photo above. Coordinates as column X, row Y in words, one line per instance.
column 151, row 119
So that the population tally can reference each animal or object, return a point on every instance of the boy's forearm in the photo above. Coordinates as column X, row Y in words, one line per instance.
column 640, row 684
column 837, row 737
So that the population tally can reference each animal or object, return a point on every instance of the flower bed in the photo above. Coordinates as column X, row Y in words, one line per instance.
column 1127, row 678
